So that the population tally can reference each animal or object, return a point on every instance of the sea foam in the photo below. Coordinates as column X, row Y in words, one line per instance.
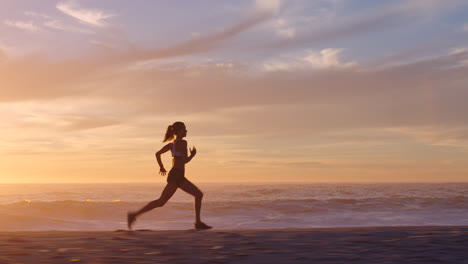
column 226, row 206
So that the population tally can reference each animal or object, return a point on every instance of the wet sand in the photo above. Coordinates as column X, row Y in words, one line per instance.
column 325, row 245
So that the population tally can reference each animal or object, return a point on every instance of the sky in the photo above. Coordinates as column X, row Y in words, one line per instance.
column 270, row 90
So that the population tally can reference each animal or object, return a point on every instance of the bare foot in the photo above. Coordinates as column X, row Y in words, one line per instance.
column 202, row 226
column 131, row 218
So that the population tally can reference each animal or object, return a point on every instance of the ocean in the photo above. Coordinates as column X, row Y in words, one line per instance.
column 35, row 207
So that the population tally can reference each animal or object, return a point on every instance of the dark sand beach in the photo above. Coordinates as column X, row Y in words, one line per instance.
column 325, row 245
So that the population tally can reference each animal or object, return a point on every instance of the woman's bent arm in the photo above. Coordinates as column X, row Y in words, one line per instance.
column 193, row 151
column 158, row 158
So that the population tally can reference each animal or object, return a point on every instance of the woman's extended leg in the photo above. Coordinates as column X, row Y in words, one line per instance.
column 190, row 188
column 166, row 194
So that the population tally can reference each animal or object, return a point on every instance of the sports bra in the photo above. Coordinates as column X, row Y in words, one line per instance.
column 176, row 153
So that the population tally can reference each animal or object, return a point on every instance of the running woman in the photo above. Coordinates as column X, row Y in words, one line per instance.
column 176, row 178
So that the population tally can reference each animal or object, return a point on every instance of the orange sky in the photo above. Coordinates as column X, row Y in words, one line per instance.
column 263, row 99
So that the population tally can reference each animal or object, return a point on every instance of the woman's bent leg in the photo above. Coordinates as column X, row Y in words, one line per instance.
column 166, row 194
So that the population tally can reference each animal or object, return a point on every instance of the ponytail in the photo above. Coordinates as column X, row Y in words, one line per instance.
column 169, row 134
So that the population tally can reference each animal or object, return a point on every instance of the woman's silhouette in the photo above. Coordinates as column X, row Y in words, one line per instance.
column 176, row 178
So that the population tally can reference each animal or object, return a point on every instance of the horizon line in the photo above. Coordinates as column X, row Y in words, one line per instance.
column 250, row 182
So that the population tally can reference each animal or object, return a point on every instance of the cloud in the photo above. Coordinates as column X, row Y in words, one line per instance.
column 56, row 24
column 93, row 17
column 271, row 6
column 294, row 19
column 289, row 32
column 461, row 52
column 50, row 22
column 465, row 27
column 101, row 44
column 327, row 58
column 28, row 78
column 46, row 79
column 37, row 15
column 436, row 135
column 331, row 99
column 282, row 65
column 284, row 30
column 378, row 19
column 67, row 122
column 38, row 78
column 78, row 123
column 324, row 59
column 25, row 25
column 196, row 45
